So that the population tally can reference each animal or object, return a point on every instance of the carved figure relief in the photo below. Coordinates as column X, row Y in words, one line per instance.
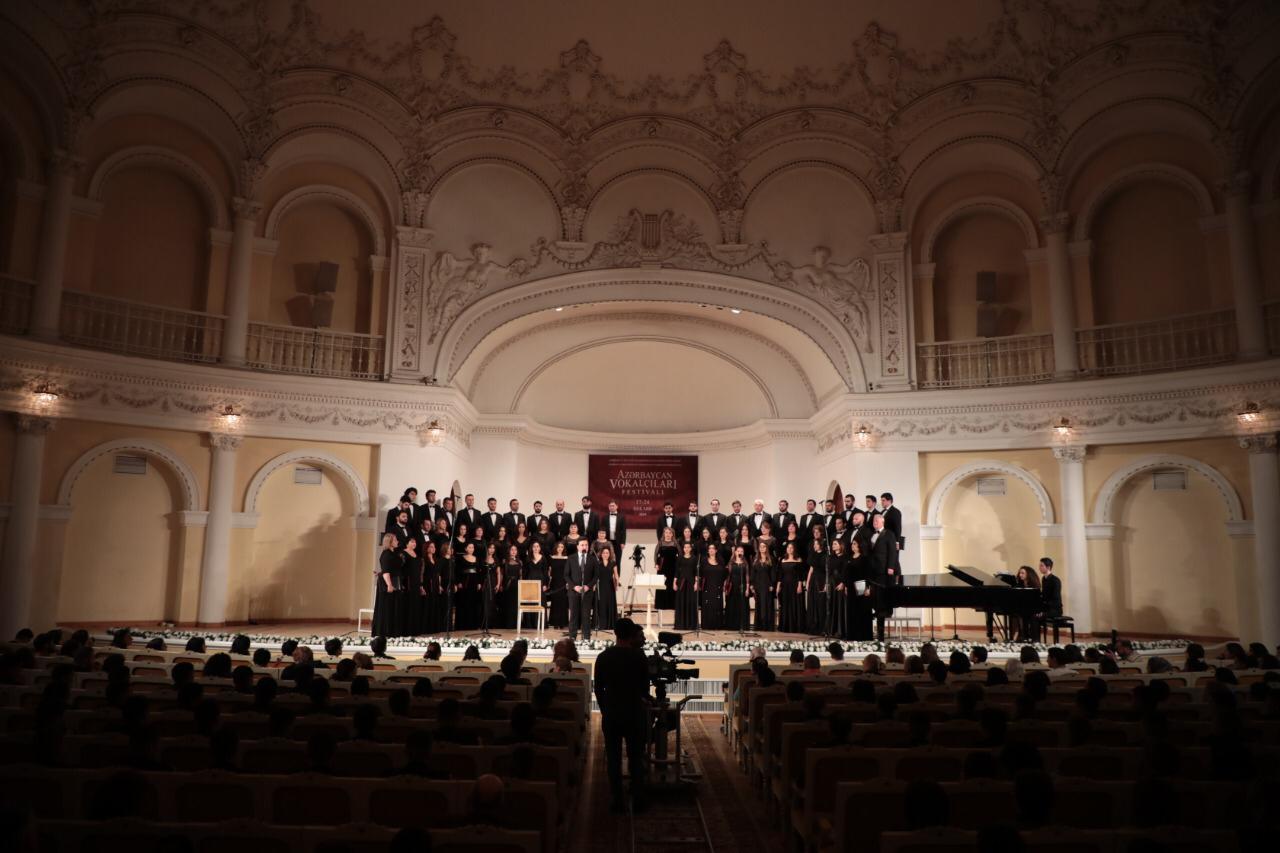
column 845, row 288
column 455, row 282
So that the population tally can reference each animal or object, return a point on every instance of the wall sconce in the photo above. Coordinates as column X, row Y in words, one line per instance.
column 44, row 396
column 435, row 432
column 1250, row 415
column 862, row 435
column 229, row 417
column 1062, row 428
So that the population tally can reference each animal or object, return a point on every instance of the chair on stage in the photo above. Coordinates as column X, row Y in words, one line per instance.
column 530, row 601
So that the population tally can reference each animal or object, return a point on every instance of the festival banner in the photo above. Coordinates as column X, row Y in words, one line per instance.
column 641, row 485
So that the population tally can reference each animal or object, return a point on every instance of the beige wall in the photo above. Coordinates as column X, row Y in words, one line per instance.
column 992, row 533
column 984, row 242
column 310, row 234
column 152, row 241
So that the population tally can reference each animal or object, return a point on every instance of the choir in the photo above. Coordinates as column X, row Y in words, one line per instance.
column 444, row 568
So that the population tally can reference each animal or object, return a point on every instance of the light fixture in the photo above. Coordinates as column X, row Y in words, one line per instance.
column 1250, row 415
column 435, row 432
column 561, row 308
column 230, row 417
column 862, row 435
column 44, row 395
column 1063, row 427
column 736, row 310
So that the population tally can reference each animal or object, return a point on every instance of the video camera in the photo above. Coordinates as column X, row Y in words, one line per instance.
column 664, row 667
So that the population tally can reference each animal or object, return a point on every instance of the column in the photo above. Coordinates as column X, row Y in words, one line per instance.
column 1246, row 281
column 1264, row 481
column 1078, row 601
column 17, row 562
column 1062, row 302
column 895, row 346
column 46, row 303
column 217, row 535
column 927, row 369
column 407, row 305
column 235, row 335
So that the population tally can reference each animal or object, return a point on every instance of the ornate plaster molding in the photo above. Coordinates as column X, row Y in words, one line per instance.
column 356, row 488
column 190, row 488
column 331, row 195
column 933, row 510
column 1104, row 507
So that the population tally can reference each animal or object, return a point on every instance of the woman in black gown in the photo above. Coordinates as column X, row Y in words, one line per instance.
column 817, row 598
column 557, row 592
column 606, row 590
column 543, row 536
column 838, row 579
column 791, row 590
column 537, row 568
column 664, row 560
column 766, row 536
column 859, row 602
column 743, row 540
column 489, row 586
column 428, row 595
column 466, row 585
column 571, row 539
column 521, row 541
column 790, row 536
column 384, row 603
column 735, row 600
column 714, row 577
column 705, row 542
column 512, row 568
column 448, row 600
column 764, row 583
column 817, row 538
column 461, row 536
column 724, row 546
column 408, row 584
column 687, row 587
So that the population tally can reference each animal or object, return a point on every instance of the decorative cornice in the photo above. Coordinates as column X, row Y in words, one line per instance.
column 1071, row 454
column 1258, row 443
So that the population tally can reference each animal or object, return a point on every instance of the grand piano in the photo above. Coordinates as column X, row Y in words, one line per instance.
column 965, row 588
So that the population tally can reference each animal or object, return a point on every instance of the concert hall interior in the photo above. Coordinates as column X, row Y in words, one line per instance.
column 987, row 291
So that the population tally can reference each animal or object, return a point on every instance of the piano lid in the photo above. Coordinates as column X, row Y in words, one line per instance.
column 935, row 579
column 972, row 576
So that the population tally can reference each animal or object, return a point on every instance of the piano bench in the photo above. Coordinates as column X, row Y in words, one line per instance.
column 903, row 624
column 1057, row 623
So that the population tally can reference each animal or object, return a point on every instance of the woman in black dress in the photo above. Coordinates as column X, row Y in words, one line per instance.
column 687, row 587
column 714, row 578
column 705, row 542
column 512, row 568
column 742, row 538
column 489, row 586
column 466, row 586
column 838, row 580
column 859, row 601
column 791, row 589
column 571, row 539
column 537, row 568
column 544, row 537
column 735, row 600
column 461, row 536
column 764, row 584
column 557, row 593
column 817, row 597
column 448, row 600
column 817, row 538
column 606, row 590
column 766, row 536
column 410, row 582
column 724, row 546
column 664, row 561
column 790, row 536
column 384, row 604
column 429, row 591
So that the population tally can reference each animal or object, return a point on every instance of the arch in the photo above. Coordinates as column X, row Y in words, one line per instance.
column 1104, row 508
column 744, row 368
column 164, row 158
column 806, row 315
column 152, row 449
column 355, row 484
column 838, row 168
column 333, row 195
column 973, row 207
column 490, row 160
column 1164, row 172
column 651, row 170
column 933, row 512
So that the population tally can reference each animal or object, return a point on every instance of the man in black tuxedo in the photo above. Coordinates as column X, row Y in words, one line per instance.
column 839, row 531
column 809, row 520
column 402, row 505
column 1050, row 588
column 691, row 520
column 491, row 520
column 402, row 528
column 559, row 522
column 714, row 519
column 446, row 512
column 871, row 511
column 757, row 518
column 892, row 517
column 536, row 518
column 580, row 578
column 782, row 518
column 614, row 525
column 736, row 520
column 885, row 570
column 588, row 522
column 848, row 511
column 513, row 519
column 428, row 511
column 469, row 515
column 667, row 519
column 860, row 531
column 829, row 517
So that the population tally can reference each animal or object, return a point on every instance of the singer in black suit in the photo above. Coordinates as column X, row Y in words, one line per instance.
column 469, row 515
column 580, row 577
column 588, row 522
column 735, row 519
column 882, row 560
column 714, row 520
column 402, row 505
column 782, row 518
column 536, row 517
column 691, row 520
column 1050, row 591
column 513, row 519
column 614, row 525
column 559, row 522
column 892, row 517
column 665, row 520
column 491, row 520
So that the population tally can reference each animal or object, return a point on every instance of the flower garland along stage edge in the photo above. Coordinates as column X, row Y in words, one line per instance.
column 361, row 643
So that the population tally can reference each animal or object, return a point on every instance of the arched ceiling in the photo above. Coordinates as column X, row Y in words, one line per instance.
column 769, row 369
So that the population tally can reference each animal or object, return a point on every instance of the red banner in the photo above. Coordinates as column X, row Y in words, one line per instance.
column 641, row 485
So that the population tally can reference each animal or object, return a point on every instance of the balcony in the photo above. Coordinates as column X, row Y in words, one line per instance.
column 133, row 328
column 1173, row 343
column 985, row 362
column 315, row 352
column 15, row 305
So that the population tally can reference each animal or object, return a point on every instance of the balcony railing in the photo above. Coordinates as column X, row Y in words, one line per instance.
column 1174, row 343
column 985, row 362
column 1271, row 314
column 315, row 352
column 15, row 305
column 132, row 328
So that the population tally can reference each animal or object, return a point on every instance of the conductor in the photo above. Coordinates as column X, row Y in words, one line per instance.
column 622, row 690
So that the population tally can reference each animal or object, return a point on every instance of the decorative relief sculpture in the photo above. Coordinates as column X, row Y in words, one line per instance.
column 456, row 282
column 845, row 288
